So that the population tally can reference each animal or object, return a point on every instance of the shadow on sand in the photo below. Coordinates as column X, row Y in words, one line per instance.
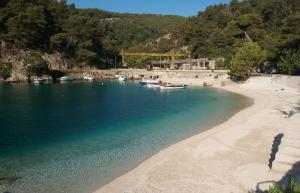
column 293, row 173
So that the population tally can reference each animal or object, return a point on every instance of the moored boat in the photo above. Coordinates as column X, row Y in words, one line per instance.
column 66, row 78
column 149, row 81
column 172, row 86
column 152, row 85
column 122, row 77
column 38, row 81
column 88, row 78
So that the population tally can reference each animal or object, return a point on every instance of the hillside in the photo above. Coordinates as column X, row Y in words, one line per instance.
column 274, row 24
column 78, row 38
column 220, row 29
column 81, row 36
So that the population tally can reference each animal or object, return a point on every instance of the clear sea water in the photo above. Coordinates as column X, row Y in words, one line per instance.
column 75, row 137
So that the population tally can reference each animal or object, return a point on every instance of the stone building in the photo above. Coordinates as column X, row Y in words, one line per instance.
column 197, row 64
column 188, row 64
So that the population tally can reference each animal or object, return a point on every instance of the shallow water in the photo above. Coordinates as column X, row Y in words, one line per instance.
column 75, row 137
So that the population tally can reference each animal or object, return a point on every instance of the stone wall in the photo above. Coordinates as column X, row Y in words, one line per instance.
column 192, row 77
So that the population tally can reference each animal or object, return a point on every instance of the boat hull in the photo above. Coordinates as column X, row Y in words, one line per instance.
column 66, row 79
column 172, row 87
column 88, row 78
column 39, row 81
column 122, row 78
column 146, row 82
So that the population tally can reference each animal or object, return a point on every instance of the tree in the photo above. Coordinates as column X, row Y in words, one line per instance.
column 55, row 25
column 36, row 65
column 29, row 28
column 59, row 42
column 5, row 70
column 290, row 62
column 248, row 56
column 85, row 51
column 84, row 36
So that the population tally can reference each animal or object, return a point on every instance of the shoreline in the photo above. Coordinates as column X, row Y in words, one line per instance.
column 133, row 74
column 224, row 158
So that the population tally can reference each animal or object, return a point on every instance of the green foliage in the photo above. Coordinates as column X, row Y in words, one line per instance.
column 290, row 63
column 273, row 24
column 290, row 187
column 95, row 37
column 5, row 70
column 221, row 64
column 138, row 62
column 59, row 41
column 246, row 57
column 36, row 65
column 89, row 36
column 28, row 28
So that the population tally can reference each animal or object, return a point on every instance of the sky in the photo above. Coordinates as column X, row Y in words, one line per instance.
column 169, row 7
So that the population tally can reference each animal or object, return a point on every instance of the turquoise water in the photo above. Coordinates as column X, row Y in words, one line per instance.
column 75, row 137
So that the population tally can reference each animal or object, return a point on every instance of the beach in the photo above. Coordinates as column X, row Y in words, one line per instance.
column 233, row 156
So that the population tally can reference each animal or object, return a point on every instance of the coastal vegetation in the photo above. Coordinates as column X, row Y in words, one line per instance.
column 272, row 24
column 245, row 58
column 217, row 32
column 85, row 38
column 5, row 70
column 36, row 65
column 290, row 187
column 290, row 62
column 82, row 37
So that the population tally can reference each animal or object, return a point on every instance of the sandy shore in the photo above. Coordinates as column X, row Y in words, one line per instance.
column 231, row 157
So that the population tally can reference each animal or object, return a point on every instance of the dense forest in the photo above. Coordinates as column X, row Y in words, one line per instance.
column 221, row 29
column 85, row 36
column 248, row 34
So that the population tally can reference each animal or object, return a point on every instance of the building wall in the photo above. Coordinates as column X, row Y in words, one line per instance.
column 197, row 64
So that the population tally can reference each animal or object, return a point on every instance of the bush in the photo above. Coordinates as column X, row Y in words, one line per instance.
column 245, row 59
column 36, row 65
column 290, row 187
column 38, row 69
column 5, row 70
column 290, row 63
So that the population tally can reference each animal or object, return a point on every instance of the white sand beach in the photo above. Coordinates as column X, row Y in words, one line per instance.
column 233, row 156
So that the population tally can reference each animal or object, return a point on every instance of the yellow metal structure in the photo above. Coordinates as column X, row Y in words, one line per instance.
column 171, row 55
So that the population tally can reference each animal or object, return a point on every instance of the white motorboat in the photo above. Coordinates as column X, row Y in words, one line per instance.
column 172, row 86
column 149, row 81
column 122, row 77
column 152, row 85
column 66, row 78
column 88, row 78
column 38, row 81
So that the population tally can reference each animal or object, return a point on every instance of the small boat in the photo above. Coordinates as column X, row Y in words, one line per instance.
column 66, row 78
column 152, row 85
column 207, row 84
column 172, row 86
column 122, row 77
column 88, row 78
column 38, row 81
column 149, row 81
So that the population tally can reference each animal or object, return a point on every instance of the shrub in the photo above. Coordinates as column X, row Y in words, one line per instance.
column 290, row 187
column 38, row 69
column 290, row 63
column 5, row 70
column 36, row 65
column 245, row 59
